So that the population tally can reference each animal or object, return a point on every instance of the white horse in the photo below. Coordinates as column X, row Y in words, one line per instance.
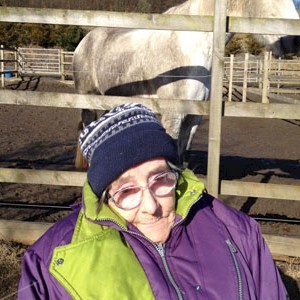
column 164, row 64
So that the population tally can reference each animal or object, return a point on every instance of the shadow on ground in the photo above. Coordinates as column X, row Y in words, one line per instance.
column 291, row 286
column 236, row 167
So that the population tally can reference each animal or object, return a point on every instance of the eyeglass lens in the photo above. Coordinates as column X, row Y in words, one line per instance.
column 130, row 197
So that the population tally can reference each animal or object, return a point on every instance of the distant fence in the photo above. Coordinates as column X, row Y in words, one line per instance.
column 35, row 61
column 264, row 72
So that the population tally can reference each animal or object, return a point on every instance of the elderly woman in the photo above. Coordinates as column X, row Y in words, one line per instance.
column 146, row 229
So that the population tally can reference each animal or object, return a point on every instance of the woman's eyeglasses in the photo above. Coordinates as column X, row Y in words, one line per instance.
column 130, row 197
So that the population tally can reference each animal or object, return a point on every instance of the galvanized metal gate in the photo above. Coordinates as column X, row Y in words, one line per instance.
column 39, row 61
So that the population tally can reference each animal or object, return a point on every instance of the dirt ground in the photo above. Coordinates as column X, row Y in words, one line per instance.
column 258, row 150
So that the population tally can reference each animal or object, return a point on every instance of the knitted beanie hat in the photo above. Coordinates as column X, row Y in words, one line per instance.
column 124, row 137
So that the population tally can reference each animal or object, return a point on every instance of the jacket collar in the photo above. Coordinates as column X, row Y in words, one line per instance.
column 188, row 192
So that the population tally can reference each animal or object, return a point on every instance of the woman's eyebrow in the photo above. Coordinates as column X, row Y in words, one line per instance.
column 117, row 183
column 125, row 178
column 158, row 170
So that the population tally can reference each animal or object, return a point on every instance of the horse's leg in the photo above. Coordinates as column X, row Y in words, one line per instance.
column 187, row 131
column 88, row 116
column 177, row 126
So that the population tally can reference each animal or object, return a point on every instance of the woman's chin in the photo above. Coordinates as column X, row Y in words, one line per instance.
column 157, row 230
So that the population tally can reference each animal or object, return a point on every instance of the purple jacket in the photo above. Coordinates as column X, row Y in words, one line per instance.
column 214, row 252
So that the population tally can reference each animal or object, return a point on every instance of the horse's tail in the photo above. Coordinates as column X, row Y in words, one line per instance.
column 87, row 117
column 80, row 162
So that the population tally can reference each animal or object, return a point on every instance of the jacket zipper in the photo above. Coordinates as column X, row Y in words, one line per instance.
column 159, row 247
column 161, row 250
column 236, row 265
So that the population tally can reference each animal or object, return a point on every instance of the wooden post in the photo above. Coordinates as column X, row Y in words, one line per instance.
column 278, row 72
column 256, row 70
column 265, row 79
column 245, row 79
column 215, row 113
column 16, row 63
column 2, row 66
column 260, row 75
column 62, row 65
column 230, row 78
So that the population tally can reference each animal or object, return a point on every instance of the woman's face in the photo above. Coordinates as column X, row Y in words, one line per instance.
column 154, row 216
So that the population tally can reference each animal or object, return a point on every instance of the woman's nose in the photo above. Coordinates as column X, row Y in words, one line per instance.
column 148, row 204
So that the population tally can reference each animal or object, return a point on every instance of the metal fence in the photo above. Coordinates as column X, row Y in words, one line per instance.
column 35, row 61
column 41, row 61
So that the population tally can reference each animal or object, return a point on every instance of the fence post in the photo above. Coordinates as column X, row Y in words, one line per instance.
column 245, row 80
column 256, row 79
column 260, row 74
column 62, row 64
column 230, row 78
column 265, row 79
column 2, row 66
column 278, row 72
column 215, row 106
column 16, row 62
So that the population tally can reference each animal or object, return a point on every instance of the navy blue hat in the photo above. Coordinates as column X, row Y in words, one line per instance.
column 124, row 137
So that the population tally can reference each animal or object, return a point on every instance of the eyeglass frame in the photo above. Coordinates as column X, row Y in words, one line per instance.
column 143, row 188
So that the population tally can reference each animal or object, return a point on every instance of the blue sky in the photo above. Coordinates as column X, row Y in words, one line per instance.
column 297, row 3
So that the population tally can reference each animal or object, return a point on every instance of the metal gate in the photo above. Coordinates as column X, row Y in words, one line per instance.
column 39, row 61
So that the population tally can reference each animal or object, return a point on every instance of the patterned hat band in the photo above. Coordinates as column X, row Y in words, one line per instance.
column 112, row 123
column 127, row 135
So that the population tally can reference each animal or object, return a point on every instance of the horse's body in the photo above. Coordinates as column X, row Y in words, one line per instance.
column 163, row 64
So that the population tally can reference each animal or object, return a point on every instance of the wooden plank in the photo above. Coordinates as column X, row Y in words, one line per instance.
column 262, row 110
column 106, row 19
column 28, row 232
column 273, row 98
column 69, row 100
column 260, row 190
column 292, row 81
column 22, row 232
column 65, row 178
column 283, row 245
column 283, row 91
column 150, row 21
column 214, row 134
column 228, row 187
column 231, row 109
column 264, row 26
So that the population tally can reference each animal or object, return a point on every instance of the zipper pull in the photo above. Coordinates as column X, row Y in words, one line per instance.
column 161, row 250
column 231, row 247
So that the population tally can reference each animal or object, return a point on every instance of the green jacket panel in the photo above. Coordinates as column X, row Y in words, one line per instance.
column 116, row 272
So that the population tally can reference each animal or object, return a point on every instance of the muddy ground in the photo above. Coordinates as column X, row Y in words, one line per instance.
column 259, row 150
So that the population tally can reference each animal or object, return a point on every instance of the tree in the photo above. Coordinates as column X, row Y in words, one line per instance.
column 68, row 37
